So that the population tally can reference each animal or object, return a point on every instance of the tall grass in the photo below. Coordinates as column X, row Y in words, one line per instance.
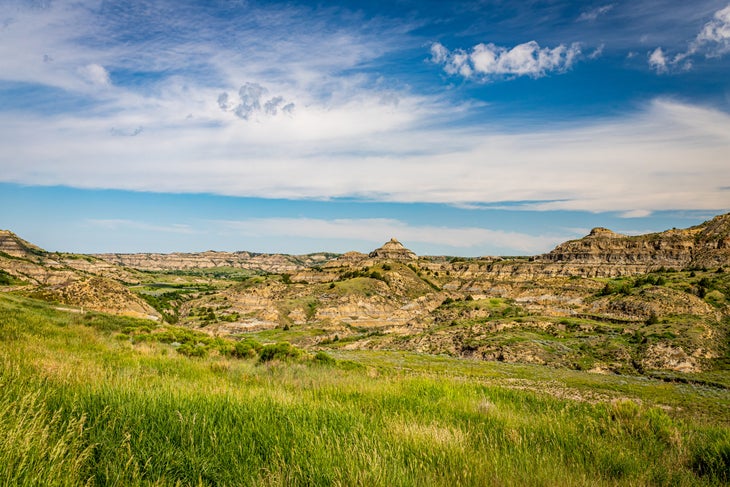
column 80, row 406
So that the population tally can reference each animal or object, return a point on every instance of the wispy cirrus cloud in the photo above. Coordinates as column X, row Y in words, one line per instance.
column 379, row 230
column 123, row 55
column 123, row 224
column 490, row 62
column 593, row 14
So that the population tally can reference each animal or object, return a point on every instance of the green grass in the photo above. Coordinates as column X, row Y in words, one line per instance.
column 81, row 404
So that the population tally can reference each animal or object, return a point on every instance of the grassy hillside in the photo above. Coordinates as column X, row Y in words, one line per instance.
column 102, row 400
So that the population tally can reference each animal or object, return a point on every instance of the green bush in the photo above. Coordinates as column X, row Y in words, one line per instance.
column 377, row 275
column 323, row 358
column 283, row 351
column 6, row 279
column 192, row 350
column 247, row 348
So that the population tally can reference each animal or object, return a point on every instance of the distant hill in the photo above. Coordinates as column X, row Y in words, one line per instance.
column 606, row 302
column 705, row 245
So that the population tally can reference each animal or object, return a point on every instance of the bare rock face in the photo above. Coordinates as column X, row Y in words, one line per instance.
column 705, row 245
column 393, row 250
column 600, row 232
column 15, row 246
column 33, row 265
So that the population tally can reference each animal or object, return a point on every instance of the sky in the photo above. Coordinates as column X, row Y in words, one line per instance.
column 465, row 128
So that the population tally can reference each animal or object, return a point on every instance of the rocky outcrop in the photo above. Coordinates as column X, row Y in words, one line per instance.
column 393, row 250
column 33, row 265
column 603, row 251
column 15, row 246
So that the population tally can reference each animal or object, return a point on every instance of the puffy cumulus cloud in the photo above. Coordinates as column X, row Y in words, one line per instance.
column 713, row 41
column 253, row 101
column 591, row 15
column 378, row 230
column 488, row 61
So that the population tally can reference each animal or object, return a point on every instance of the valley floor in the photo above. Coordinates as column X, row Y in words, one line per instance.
column 94, row 399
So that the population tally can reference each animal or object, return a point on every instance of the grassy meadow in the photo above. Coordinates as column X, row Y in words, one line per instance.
column 91, row 399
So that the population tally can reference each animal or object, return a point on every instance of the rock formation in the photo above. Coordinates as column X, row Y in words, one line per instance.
column 15, row 246
column 393, row 250
column 703, row 245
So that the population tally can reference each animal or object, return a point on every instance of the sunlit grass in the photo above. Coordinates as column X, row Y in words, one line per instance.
column 82, row 404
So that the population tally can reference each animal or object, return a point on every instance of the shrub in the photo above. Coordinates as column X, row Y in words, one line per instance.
column 377, row 275
column 280, row 351
column 6, row 278
column 247, row 348
column 311, row 310
column 190, row 350
column 324, row 359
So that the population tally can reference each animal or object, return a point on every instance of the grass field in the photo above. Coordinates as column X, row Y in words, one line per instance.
column 85, row 401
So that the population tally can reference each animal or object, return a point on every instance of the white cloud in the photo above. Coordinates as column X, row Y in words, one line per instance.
column 713, row 41
column 593, row 14
column 349, row 137
column 488, row 61
column 597, row 52
column 95, row 75
column 658, row 61
column 635, row 214
column 74, row 45
column 669, row 156
column 716, row 33
column 121, row 224
column 379, row 230
column 252, row 102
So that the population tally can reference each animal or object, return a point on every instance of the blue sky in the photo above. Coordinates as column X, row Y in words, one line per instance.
column 462, row 128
